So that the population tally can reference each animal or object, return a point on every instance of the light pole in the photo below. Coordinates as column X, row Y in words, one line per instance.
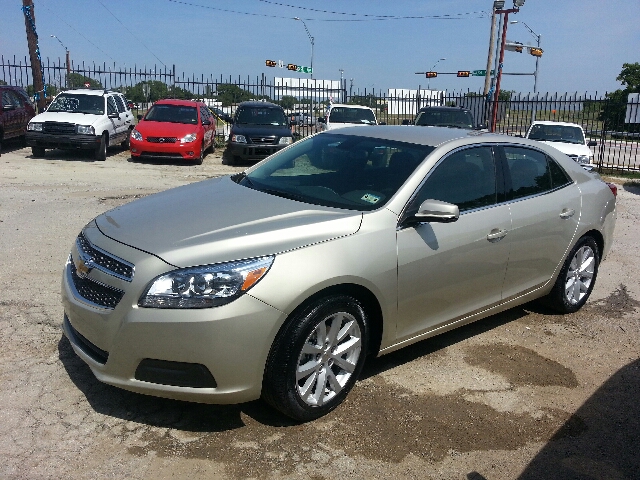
column 497, row 5
column 67, row 54
column 537, row 37
column 432, row 70
column 311, row 39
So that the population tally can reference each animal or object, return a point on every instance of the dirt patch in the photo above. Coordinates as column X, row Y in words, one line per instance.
column 520, row 365
column 616, row 305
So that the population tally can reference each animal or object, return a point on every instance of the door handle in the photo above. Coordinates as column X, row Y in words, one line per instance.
column 567, row 213
column 496, row 234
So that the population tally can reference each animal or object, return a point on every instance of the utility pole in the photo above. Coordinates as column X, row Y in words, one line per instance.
column 492, row 41
column 494, row 116
column 34, row 54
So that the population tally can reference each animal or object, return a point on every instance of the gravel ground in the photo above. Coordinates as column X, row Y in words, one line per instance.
column 524, row 394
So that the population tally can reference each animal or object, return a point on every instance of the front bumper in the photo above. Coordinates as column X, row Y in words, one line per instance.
column 48, row 140
column 230, row 343
column 247, row 151
column 173, row 151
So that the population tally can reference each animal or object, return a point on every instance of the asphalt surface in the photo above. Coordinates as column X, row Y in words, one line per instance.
column 524, row 394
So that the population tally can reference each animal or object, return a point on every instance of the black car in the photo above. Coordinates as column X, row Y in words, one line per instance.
column 454, row 117
column 259, row 129
column 220, row 114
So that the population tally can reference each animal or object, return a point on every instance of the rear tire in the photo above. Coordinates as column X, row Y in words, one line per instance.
column 200, row 159
column 37, row 152
column 125, row 143
column 101, row 150
column 576, row 279
column 316, row 358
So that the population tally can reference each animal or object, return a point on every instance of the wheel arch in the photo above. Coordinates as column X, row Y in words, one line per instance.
column 369, row 302
column 599, row 239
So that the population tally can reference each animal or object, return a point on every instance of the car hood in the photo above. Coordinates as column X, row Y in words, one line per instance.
column 67, row 117
column 260, row 130
column 570, row 148
column 218, row 220
column 165, row 129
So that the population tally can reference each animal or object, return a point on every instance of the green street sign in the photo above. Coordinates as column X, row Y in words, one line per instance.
column 302, row 69
column 481, row 73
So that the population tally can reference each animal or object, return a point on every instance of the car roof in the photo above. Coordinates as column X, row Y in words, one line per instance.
column 175, row 101
column 443, row 108
column 549, row 122
column 256, row 103
column 333, row 105
column 88, row 91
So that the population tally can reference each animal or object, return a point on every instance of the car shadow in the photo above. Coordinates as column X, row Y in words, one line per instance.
column 632, row 187
column 160, row 412
column 12, row 145
column 76, row 155
column 164, row 161
column 601, row 439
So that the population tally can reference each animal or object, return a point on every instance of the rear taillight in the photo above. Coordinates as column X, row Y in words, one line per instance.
column 613, row 189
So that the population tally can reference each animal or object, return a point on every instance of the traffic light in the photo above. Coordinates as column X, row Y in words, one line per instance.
column 431, row 74
column 270, row 63
column 464, row 73
column 536, row 52
column 514, row 46
column 292, row 66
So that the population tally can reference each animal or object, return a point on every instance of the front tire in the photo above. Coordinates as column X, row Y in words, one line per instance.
column 101, row 150
column 37, row 152
column 126, row 143
column 316, row 358
column 577, row 277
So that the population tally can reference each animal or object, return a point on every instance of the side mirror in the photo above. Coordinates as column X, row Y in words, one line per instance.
column 382, row 123
column 436, row 211
column 206, row 122
column 406, row 122
column 519, row 136
column 114, row 115
column 321, row 120
column 592, row 143
column 140, row 117
column 483, row 126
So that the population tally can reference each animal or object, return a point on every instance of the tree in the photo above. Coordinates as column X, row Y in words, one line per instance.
column 228, row 94
column 52, row 90
column 615, row 106
column 288, row 102
column 76, row 80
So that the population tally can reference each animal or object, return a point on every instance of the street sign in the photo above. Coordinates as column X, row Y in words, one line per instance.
column 302, row 69
column 481, row 73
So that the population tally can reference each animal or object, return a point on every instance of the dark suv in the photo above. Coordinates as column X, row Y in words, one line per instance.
column 455, row 117
column 16, row 110
column 259, row 129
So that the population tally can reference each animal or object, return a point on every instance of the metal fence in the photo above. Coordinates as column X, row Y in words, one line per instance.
column 607, row 118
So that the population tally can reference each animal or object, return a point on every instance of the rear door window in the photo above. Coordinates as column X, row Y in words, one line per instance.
column 531, row 172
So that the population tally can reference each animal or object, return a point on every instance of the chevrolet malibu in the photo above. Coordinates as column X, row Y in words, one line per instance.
column 350, row 243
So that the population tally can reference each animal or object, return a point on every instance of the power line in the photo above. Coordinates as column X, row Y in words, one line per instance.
column 455, row 16
column 71, row 27
column 125, row 27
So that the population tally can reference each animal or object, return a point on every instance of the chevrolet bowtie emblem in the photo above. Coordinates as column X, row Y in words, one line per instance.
column 83, row 266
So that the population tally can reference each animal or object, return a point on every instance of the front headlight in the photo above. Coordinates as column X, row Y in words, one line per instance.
column 189, row 138
column 285, row 141
column 136, row 135
column 205, row 286
column 34, row 127
column 584, row 159
column 238, row 138
column 85, row 130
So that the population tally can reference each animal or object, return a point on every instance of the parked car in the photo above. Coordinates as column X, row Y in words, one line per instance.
column 259, row 129
column 16, row 110
column 174, row 129
column 339, row 115
column 453, row 117
column 567, row 137
column 300, row 119
column 221, row 114
column 86, row 119
column 346, row 244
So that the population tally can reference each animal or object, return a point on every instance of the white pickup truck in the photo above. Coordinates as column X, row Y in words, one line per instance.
column 567, row 137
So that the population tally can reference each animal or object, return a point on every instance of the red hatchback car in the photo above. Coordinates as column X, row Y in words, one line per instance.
column 174, row 129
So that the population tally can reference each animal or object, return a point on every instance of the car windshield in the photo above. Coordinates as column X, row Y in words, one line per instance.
column 260, row 116
column 172, row 114
column 343, row 171
column 556, row 133
column 448, row 118
column 352, row 115
column 78, row 103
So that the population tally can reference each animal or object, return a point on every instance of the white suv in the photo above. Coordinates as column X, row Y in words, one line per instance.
column 566, row 137
column 82, row 119
column 340, row 115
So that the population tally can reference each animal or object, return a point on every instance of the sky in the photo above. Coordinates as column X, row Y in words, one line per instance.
column 371, row 43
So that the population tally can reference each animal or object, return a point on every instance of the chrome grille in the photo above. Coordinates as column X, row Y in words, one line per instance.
column 263, row 140
column 94, row 292
column 59, row 128
column 162, row 139
column 95, row 257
